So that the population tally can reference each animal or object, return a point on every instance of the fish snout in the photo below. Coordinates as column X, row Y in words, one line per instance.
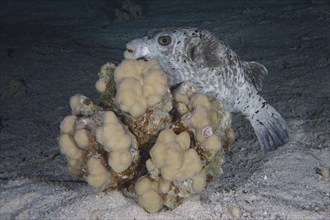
column 136, row 49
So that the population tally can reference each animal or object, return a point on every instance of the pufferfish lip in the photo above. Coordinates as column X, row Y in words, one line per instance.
column 135, row 52
column 129, row 52
column 130, row 48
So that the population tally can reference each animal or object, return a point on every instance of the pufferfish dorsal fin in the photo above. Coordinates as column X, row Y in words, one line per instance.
column 255, row 73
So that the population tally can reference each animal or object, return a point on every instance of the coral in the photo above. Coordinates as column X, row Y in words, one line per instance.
column 143, row 97
column 175, row 168
column 148, row 195
column 97, row 174
column 81, row 105
column 68, row 145
column 157, row 147
column 117, row 141
column 94, row 140
column 205, row 116
column 140, row 85
column 172, row 156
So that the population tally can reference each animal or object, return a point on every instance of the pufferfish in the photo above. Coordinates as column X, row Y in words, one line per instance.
column 198, row 56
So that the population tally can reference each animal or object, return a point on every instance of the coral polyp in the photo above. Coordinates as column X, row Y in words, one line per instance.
column 156, row 146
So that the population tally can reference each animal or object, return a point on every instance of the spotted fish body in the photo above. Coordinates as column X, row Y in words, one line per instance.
column 191, row 54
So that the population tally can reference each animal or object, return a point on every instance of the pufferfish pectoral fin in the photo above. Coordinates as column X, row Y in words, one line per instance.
column 255, row 73
column 205, row 53
column 210, row 52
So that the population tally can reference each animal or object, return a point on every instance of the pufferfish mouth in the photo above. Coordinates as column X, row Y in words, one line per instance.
column 130, row 48
column 129, row 52
column 136, row 52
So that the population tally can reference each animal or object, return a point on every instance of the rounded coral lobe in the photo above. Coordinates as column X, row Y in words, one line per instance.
column 140, row 86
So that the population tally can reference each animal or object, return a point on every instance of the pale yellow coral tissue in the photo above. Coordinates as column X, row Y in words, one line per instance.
column 140, row 85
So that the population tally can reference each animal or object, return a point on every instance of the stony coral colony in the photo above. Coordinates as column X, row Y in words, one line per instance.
column 156, row 144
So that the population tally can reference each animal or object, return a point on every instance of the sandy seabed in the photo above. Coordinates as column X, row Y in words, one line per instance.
column 51, row 51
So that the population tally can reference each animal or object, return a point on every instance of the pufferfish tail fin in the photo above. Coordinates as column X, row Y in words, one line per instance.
column 255, row 73
column 269, row 126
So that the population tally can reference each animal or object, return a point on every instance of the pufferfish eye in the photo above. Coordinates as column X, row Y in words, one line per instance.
column 164, row 40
